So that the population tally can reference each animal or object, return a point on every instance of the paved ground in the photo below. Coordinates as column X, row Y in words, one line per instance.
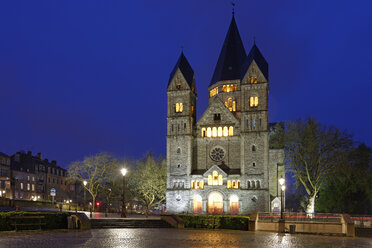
column 175, row 238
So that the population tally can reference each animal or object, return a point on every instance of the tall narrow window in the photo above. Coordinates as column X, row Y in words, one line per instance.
column 254, row 123
column 260, row 123
column 253, row 80
column 215, row 177
column 253, row 101
column 201, row 185
column 214, row 132
column 179, row 107
column 246, row 123
column 224, row 88
column 184, row 126
column 219, row 131
column 234, row 106
column 229, row 101
column 210, row 180
column 193, row 184
column 231, row 131
column 225, row 131
column 228, row 88
column 238, row 184
column 203, row 132
column 220, row 180
column 229, row 184
column 209, row 132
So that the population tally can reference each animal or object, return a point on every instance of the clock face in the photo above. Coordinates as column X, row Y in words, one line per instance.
column 217, row 154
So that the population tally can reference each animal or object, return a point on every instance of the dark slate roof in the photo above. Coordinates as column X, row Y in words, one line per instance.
column 255, row 55
column 3, row 154
column 231, row 57
column 185, row 68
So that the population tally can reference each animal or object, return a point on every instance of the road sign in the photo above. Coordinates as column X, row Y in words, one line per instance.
column 53, row 192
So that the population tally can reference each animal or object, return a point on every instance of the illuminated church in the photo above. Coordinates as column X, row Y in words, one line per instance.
column 222, row 163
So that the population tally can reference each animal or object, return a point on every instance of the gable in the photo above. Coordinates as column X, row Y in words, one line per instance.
column 217, row 107
column 178, row 79
column 253, row 71
column 214, row 168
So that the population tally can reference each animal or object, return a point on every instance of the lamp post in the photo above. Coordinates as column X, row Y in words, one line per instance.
column 85, row 193
column 123, row 172
column 282, row 221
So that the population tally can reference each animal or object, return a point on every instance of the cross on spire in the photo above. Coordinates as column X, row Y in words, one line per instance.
column 233, row 7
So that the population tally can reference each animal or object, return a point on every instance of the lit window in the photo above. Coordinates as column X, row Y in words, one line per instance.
column 209, row 132
column 21, row 185
column 233, row 185
column 203, row 132
column 197, row 184
column 220, row 180
column 210, row 180
column 253, row 80
column 253, row 101
column 225, row 131
column 234, row 106
column 231, row 131
column 201, row 185
column 228, row 88
column 33, row 187
column 219, row 131
column 215, row 177
column 235, row 87
column 28, row 186
column 213, row 92
column 224, row 88
column 229, row 184
column 238, row 184
column 229, row 102
column 179, row 107
column 178, row 86
column 214, row 132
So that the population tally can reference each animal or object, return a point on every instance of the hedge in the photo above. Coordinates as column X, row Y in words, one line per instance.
column 215, row 221
column 53, row 220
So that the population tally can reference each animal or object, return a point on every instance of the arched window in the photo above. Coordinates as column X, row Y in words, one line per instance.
column 220, row 180
column 210, row 180
column 219, row 131
column 249, row 184
column 193, row 184
column 179, row 107
column 258, row 184
column 234, row 106
column 209, row 132
column 253, row 101
column 234, row 204
column 184, row 126
column 197, row 204
column 229, row 184
column 238, row 184
column 228, row 88
column 178, row 150
column 231, row 131
column 253, row 80
column 214, row 132
column 225, row 131
column 233, row 185
column 203, row 132
column 197, row 184
column 224, row 88
column 229, row 103
column 253, row 148
column 201, row 185
column 215, row 177
column 253, row 184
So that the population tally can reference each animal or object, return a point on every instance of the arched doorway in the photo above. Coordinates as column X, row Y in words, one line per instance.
column 234, row 204
column 215, row 203
column 197, row 204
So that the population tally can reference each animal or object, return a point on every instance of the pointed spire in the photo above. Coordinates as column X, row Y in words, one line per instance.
column 231, row 57
column 256, row 55
column 185, row 68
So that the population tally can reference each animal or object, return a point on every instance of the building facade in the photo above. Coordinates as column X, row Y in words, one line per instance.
column 222, row 164
column 5, row 175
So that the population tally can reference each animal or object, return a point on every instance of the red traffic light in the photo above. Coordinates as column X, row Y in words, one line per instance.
column 97, row 204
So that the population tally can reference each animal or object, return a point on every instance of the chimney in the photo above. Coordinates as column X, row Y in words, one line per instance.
column 39, row 155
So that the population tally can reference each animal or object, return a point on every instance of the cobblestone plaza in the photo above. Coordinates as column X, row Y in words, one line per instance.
column 138, row 238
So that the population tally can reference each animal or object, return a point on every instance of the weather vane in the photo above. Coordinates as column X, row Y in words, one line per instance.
column 233, row 7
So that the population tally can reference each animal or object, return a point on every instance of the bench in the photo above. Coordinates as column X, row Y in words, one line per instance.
column 209, row 222
column 37, row 221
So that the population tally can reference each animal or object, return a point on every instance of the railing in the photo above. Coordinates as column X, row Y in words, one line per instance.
column 364, row 221
column 301, row 217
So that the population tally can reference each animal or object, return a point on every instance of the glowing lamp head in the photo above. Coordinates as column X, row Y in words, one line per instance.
column 283, row 187
column 123, row 171
column 85, row 183
column 281, row 181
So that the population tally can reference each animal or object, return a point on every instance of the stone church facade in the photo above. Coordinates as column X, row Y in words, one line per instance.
column 222, row 163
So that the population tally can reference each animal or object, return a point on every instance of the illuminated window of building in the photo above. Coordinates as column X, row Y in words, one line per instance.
column 253, row 80
column 214, row 132
column 33, row 187
column 235, row 87
column 234, row 205
column 220, row 180
column 234, row 106
column 231, row 131
column 229, row 184
column 193, row 184
column 201, row 185
column 233, row 184
column 224, row 88
column 192, row 109
column 197, row 184
column 179, row 107
column 225, row 131
column 209, row 132
column 215, row 177
column 229, row 102
column 213, row 92
column 253, row 101
column 178, row 86
column 203, row 132
column 219, row 131
column 21, row 185
column 227, row 106
column 28, row 186
column 197, row 204
column 228, row 88
column 210, row 180
column 238, row 184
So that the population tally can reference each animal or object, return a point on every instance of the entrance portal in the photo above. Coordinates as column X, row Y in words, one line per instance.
column 215, row 203
column 197, row 204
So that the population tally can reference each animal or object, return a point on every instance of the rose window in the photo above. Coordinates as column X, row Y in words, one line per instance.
column 217, row 154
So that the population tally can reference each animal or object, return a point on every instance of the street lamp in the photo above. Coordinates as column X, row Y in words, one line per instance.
column 282, row 221
column 123, row 172
column 85, row 193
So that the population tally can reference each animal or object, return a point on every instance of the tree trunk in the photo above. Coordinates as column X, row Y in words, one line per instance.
column 93, row 203
column 147, row 212
column 310, row 208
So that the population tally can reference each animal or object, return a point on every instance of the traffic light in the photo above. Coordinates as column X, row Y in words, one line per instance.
column 98, row 203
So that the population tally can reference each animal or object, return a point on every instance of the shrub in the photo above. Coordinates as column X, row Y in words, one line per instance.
column 215, row 221
column 53, row 220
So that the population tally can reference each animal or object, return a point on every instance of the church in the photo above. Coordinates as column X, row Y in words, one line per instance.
column 222, row 163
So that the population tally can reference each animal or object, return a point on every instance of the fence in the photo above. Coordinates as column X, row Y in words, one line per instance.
column 362, row 221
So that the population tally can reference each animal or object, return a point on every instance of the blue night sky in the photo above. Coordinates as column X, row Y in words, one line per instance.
column 81, row 77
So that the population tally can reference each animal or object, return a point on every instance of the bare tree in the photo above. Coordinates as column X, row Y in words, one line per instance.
column 312, row 151
column 97, row 170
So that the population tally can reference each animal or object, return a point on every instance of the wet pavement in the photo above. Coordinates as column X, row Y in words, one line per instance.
column 175, row 238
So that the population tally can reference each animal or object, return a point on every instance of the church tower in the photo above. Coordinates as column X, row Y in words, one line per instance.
column 181, row 119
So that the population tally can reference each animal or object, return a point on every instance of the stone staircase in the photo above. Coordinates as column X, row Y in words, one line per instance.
column 129, row 223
